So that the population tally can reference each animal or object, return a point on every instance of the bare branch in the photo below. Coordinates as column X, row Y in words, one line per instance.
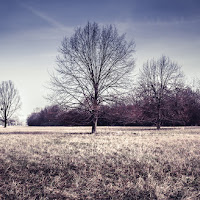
column 157, row 79
column 9, row 100
column 93, row 65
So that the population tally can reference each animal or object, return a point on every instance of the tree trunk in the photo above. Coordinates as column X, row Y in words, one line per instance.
column 5, row 120
column 95, row 110
column 94, row 124
column 158, row 124
column 158, row 121
column 94, row 119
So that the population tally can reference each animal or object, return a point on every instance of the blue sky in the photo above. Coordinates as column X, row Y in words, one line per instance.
column 31, row 32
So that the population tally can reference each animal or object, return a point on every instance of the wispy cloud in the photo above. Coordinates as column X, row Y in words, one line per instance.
column 44, row 17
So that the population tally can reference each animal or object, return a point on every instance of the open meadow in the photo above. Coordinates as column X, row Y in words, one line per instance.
column 116, row 163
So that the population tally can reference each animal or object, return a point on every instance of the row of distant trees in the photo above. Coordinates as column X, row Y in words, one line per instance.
column 179, row 108
column 93, row 83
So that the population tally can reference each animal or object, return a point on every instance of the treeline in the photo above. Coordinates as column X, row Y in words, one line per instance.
column 116, row 114
column 180, row 107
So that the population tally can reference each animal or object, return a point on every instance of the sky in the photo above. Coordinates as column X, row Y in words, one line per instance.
column 31, row 32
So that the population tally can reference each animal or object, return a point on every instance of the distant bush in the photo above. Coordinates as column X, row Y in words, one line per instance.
column 55, row 116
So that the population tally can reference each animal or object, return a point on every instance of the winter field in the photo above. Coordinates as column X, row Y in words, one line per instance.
column 116, row 163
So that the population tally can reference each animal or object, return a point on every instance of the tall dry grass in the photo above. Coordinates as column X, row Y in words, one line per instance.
column 116, row 163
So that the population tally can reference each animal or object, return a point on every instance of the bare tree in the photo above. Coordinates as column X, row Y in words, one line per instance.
column 156, row 81
column 9, row 100
column 94, row 65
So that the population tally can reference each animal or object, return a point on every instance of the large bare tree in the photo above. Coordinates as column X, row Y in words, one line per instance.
column 94, row 65
column 157, row 80
column 9, row 101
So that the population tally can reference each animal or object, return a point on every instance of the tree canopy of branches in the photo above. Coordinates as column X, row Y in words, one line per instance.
column 9, row 100
column 93, row 67
column 157, row 80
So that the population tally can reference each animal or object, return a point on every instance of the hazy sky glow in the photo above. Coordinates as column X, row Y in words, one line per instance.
column 31, row 32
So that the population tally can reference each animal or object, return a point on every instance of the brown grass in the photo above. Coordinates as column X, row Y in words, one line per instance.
column 116, row 163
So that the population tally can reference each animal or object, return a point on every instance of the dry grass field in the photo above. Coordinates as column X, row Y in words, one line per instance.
column 116, row 163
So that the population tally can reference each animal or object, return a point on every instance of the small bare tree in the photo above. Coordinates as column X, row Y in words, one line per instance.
column 94, row 65
column 9, row 100
column 156, row 81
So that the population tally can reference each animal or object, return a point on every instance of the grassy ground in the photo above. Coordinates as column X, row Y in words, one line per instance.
column 116, row 163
